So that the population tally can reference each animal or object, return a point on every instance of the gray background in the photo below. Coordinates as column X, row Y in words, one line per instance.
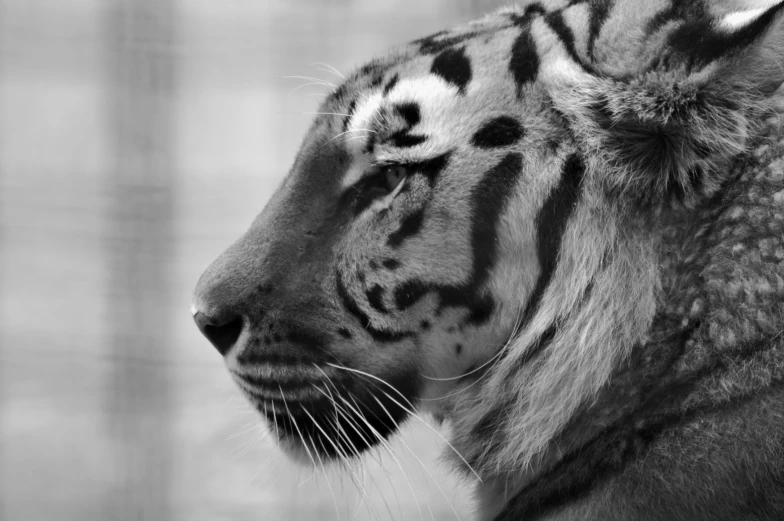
column 138, row 138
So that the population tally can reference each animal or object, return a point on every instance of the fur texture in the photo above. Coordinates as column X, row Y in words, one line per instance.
column 560, row 229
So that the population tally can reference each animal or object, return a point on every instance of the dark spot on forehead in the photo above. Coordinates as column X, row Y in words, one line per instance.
column 345, row 333
column 440, row 41
column 454, row 67
column 391, row 84
column 498, row 132
column 391, row 264
column 458, row 349
column 409, row 111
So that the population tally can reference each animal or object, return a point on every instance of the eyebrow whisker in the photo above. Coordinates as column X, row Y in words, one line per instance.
column 353, row 130
column 311, row 78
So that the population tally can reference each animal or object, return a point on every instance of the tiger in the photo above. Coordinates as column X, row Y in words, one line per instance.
column 559, row 231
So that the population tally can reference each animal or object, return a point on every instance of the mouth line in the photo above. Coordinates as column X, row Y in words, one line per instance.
column 333, row 426
column 284, row 396
column 259, row 382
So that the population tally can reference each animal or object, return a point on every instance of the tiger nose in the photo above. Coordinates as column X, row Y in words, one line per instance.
column 222, row 332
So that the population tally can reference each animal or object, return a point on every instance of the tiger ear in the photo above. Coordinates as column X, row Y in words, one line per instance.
column 670, row 129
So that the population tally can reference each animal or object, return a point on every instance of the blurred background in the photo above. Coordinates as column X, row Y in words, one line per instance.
column 138, row 139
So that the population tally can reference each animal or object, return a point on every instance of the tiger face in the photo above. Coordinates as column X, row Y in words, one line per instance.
column 385, row 271
column 473, row 226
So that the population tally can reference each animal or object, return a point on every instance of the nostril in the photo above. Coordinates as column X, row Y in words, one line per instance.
column 223, row 333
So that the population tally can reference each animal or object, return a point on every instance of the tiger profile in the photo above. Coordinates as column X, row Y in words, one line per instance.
column 559, row 230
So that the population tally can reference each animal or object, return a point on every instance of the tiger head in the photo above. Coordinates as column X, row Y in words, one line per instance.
column 470, row 226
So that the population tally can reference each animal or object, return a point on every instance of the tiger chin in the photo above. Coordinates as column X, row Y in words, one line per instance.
column 559, row 229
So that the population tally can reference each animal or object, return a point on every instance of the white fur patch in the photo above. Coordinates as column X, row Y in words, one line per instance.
column 435, row 97
column 740, row 19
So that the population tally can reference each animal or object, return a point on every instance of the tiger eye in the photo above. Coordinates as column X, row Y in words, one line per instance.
column 394, row 175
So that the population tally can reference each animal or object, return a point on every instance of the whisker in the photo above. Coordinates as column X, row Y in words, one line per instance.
column 300, row 87
column 384, row 442
column 344, row 455
column 353, row 424
column 500, row 352
column 355, row 427
column 409, row 411
column 323, row 114
column 324, row 470
column 354, row 139
column 469, row 373
column 313, row 79
column 299, row 432
column 329, row 68
column 421, row 463
column 353, row 130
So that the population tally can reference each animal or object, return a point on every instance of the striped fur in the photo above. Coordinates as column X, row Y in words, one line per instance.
column 559, row 229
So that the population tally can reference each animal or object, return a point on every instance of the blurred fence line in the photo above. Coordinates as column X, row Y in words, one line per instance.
column 142, row 79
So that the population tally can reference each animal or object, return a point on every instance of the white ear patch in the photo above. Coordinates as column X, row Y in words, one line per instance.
column 739, row 19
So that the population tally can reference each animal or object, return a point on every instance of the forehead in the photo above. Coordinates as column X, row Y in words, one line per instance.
column 451, row 77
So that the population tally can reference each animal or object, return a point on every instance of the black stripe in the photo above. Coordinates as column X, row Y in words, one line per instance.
column 406, row 140
column 488, row 201
column 347, row 120
column 697, row 44
column 532, row 10
column 454, row 67
column 410, row 226
column 678, row 10
column 550, row 227
column 599, row 9
column 410, row 112
column 409, row 293
column 391, row 84
column 481, row 310
column 431, row 168
column 501, row 131
column 524, row 64
column 375, row 296
column 606, row 455
column 380, row 335
column 557, row 23
column 439, row 42
column 391, row 264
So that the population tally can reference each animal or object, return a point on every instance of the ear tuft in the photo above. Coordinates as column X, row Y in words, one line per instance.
column 671, row 131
